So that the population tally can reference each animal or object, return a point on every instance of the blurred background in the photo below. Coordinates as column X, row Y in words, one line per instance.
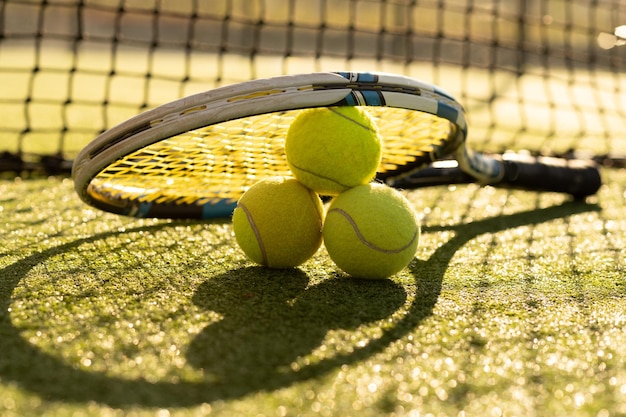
column 532, row 74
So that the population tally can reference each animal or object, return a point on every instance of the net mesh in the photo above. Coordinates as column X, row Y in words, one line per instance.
column 531, row 74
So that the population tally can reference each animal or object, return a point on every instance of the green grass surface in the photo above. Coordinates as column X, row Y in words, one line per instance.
column 514, row 306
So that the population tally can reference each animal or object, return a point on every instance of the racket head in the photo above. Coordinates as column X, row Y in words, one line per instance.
column 194, row 157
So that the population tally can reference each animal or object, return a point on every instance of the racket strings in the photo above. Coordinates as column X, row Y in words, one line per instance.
column 222, row 161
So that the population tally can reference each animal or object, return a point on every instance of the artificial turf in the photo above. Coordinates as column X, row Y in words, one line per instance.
column 514, row 306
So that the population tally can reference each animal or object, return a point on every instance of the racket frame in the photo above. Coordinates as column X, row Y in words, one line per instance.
column 276, row 94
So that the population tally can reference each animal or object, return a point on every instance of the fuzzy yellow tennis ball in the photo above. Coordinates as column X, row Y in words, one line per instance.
column 278, row 222
column 331, row 149
column 371, row 231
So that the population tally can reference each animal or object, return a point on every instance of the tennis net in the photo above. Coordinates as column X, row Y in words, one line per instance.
column 543, row 75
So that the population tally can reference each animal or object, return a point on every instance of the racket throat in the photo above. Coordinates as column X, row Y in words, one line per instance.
column 485, row 169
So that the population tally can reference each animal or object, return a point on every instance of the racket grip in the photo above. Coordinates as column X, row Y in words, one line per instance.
column 577, row 177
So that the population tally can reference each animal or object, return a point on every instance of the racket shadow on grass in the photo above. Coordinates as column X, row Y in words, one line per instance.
column 51, row 377
column 273, row 318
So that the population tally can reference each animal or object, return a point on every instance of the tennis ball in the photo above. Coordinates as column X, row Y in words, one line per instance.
column 331, row 149
column 371, row 231
column 278, row 222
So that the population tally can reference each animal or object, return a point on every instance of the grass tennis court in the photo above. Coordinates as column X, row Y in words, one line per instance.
column 515, row 304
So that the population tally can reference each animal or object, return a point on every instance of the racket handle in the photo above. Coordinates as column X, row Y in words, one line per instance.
column 572, row 176
column 577, row 177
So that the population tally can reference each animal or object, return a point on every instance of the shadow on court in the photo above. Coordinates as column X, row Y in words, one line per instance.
column 248, row 350
column 255, row 351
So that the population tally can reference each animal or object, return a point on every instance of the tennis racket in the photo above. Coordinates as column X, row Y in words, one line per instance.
column 194, row 157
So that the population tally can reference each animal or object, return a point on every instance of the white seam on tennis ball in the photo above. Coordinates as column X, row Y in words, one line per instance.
column 316, row 174
column 255, row 231
column 365, row 241
column 351, row 120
